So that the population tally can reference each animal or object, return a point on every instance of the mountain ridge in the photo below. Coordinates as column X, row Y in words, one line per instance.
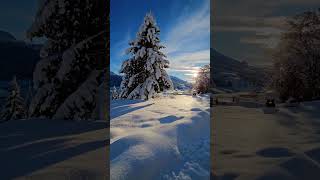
column 227, row 69
column 115, row 80
column 17, row 58
column 6, row 37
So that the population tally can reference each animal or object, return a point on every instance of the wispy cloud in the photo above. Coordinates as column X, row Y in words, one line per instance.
column 189, row 28
column 253, row 26
column 186, row 38
column 122, row 45
column 262, row 31
column 188, row 63
column 187, row 43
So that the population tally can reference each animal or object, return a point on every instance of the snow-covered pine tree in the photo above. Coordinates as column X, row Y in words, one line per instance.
column 14, row 107
column 144, row 73
column 74, row 58
column 114, row 93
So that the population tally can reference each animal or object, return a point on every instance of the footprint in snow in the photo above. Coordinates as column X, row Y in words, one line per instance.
column 196, row 109
column 275, row 152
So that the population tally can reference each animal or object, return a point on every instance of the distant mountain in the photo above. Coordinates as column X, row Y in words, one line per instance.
column 115, row 80
column 6, row 37
column 180, row 84
column 228, row 72
column 17, row 57
column 112, row 73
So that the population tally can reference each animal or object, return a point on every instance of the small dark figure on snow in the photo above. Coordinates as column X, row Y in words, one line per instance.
column 194, row 93
column 270, row 103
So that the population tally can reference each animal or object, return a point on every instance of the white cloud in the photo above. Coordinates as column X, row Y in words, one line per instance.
column 189, row 62
column 188, row 44
column 191, row 58
column 121, row 46
column 189, row 28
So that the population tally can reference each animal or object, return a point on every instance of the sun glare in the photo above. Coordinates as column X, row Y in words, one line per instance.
column 195, row 75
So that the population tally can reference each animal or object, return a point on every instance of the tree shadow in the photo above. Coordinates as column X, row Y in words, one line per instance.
column 24, row 160
column 13, row 133
column 30, row 145
column 124, row 108
column 170, row 119
column 124, row 102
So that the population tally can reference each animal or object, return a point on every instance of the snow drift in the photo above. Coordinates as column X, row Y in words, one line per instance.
column 164, row 138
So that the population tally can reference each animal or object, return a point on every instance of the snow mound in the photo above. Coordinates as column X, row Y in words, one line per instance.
column 151, row 151
column 161, row 138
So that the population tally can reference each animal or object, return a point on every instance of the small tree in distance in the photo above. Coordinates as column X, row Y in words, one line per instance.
column 114, row 93
column 202, row 83
column 14, row 107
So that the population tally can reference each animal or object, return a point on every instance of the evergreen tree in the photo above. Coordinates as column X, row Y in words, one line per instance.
column 144, row 72
column 14, row 107
column 114, row 93
column 74, row 58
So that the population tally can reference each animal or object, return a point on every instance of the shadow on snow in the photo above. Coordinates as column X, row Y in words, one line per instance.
column 25, row 146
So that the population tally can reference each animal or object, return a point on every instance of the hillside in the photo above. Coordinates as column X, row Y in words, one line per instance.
column 115, row 80
column 6, row 37
column 228, row 72
column 17, row 57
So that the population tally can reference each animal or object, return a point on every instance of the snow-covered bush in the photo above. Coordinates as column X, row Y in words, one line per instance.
column 114, row 93
column 74, row 57
column 144, row 73
column 297, row 58
column 14, row 107
column 202, row 84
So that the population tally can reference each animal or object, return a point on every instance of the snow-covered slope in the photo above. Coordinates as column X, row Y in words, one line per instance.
column 164, row 138
column 253, row 142
column 227, row 71
column 180, row 84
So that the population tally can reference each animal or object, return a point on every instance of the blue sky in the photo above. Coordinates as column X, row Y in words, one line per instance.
column 185, row 31
column 250, row 29
column 17, row 16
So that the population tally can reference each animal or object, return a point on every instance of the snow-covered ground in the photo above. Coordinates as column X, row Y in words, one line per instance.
column 164, row 138
column 40, row 149
column 252, row 142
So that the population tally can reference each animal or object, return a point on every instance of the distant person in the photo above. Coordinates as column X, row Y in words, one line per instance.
column 270, row 103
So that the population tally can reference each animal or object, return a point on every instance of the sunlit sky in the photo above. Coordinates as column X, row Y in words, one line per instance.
column 244, row 30
column 249, row 29
column 185, row 31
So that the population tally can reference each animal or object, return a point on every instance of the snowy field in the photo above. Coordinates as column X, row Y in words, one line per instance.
column 252, row 142
column 41, row 149
column 163, row 138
